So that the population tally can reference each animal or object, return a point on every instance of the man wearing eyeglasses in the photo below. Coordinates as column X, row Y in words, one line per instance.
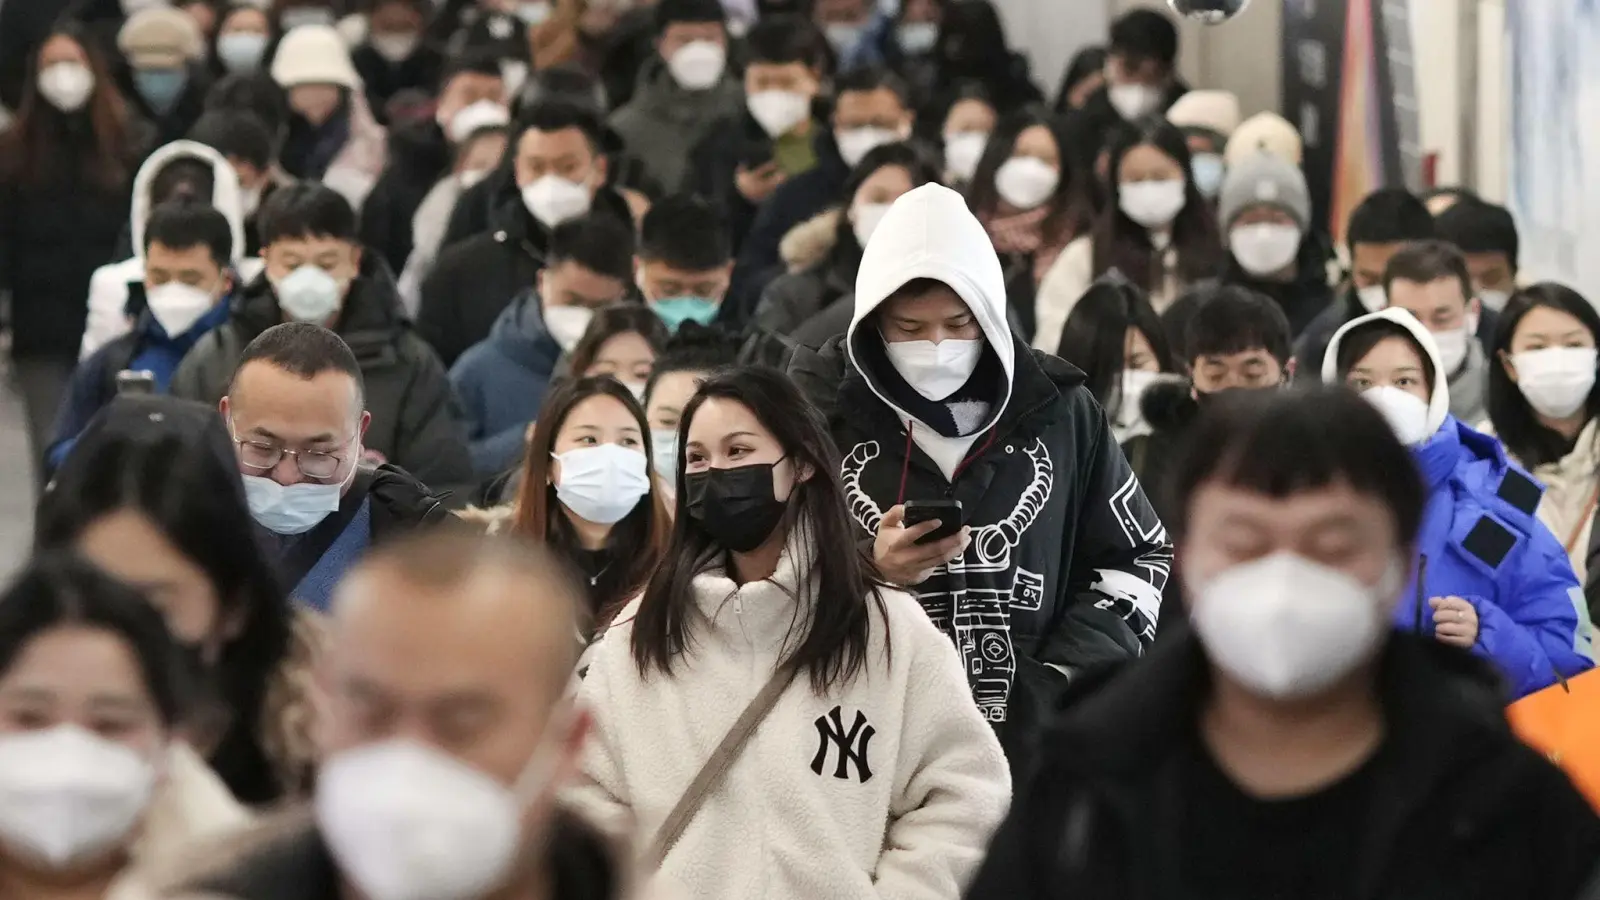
column 296, row 411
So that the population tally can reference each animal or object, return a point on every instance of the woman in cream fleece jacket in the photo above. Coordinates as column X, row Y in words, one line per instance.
column 874, row 776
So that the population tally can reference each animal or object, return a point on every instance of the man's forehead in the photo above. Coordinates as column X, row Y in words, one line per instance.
column 934, row 299
column 310, row 245
column 262, row 390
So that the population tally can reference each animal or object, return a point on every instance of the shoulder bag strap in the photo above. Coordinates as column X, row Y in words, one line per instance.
column 710, row 774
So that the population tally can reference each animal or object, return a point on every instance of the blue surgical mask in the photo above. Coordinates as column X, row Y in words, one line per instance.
column 1209, row 170
column 291, row 508
column 675, row 311
column 160, row 88
column 241, row 51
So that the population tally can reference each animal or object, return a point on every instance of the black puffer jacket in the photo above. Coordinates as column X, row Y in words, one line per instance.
column 1304, row 297
column 419, row 155
column 1461, row 809
column 416, row 421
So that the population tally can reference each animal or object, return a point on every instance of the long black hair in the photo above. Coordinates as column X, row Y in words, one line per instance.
column 842, row 578
column 173, row 462
column 60, row 589
column 1121, row 243
column 1095, row 335
column 1068, row 214
column 846, row 252
column 1514, row 419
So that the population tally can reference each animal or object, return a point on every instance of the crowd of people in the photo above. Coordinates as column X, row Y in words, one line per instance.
column 760, row 448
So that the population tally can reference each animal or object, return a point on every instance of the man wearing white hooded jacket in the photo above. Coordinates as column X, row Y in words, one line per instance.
column 929, row 396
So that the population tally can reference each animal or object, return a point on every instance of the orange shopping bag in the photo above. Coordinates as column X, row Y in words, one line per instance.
column 1563, row 722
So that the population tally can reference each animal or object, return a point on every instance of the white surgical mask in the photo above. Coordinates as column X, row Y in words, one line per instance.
column 1026, row 182
column 292, row 508
column 1264, row 248
column 406, row 822
column 308, row 294
column 476, row 116
column 664, row 451
column 602, row 484
column 66, row 85
column 1133, row 101
column 935, row 370
column 1131, row 391
column 843, row 36
column 856, row 143
column 916, row 38
column 1153, row 204
column 778, row 112
column 1372, row 298
column 1556, row 380
column 864, row 219
column 962, row 152
column 1286, row 627
column 698, row 65
column 68, row 795
column 553, row 200
column 177, row 306
column 1209, row 170
column 1406, row 413
column 1494, row 300
column 1452, row 344
column 567, row 324
column 395, row 48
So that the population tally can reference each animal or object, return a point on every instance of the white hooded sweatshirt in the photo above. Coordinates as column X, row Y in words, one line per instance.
column 1439, row 400
column 930, row 233
column 889, row 788
column 108, row 286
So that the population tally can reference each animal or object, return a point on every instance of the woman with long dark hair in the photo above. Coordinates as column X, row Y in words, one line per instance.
column 101, row 791
column 1544, row 405
column 151, row 494
column 623, row 341
column 66, row 168
column 1029, row 199
column 815, row 300
column 765, row 595
column 1155, row 228
column 1116, row 338
column 972, row 47
column 587, row 492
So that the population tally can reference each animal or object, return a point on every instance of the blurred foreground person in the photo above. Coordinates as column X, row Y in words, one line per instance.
column 448, row 731
column 1491, row 578
column 766, row 605
column 1294, row 745
column 151, row 494
column 98, row 789
column 296, row 409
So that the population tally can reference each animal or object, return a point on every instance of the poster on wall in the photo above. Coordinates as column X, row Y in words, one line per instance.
column 1554, row 163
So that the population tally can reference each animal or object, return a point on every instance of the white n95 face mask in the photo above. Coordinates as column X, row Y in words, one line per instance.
column 1286, row 627
column 553, row 200
column 66, row 85
column 602, row 484
column 935, row 370
column 664, row 452
column 567, row 324
column 1407, row 414
column 308, row 294
column 1373, row 298
column 1495, row 300
column 177, row 306
column 856, row 143
column 1556, row 380
column 1133, row 101
column 1452, row 344
column 778, row 112
column 698, row 65
column 68, row 795
column 864, row 219
column 1153, row 204
column 962, row 152
column 406, row 822
column 1026, row 182
column 1265, row 247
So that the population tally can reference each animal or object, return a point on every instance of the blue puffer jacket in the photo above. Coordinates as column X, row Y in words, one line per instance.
column 1481, row 541
column 502, row 381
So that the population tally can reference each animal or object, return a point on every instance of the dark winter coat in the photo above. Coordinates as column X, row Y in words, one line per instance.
column 383, row 79
column 1169, row 408
column 663, row 122
column 419, row 155
column 176, row 122
column 416, row 421
column 1303, row 298
column 735, row 141
column 1461, row 809
column 475, row 279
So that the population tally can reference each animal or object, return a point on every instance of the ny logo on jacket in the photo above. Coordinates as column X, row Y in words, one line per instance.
column 851, row 745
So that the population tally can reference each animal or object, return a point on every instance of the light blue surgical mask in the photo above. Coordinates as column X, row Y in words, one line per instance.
column 241, row 51
column 160, row 88
column 1209, row 170
column 291, row 508
column 674, row 311
column 664, row 454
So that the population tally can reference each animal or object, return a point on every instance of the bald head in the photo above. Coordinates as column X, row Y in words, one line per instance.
column 461, row 642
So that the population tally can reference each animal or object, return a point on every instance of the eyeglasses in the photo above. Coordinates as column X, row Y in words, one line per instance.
column 311, row 463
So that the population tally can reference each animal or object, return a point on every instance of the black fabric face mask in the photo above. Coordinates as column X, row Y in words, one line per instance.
column 735, row 506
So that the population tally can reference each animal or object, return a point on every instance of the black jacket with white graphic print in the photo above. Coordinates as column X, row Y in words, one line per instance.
column 1068, row 558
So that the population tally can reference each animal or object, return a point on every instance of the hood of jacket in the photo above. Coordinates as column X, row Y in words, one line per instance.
column 519, row 332
column 1439, row 402
column 226, row 194
column 659, row 96
column 930, row 233
column 370, row 321
column 809, row 243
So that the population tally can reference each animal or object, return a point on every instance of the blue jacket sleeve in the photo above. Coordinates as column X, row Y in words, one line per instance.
column 83, row 399
column 1531, row 634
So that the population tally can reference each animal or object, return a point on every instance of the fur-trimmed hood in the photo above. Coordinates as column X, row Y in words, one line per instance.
column 810, row 242
column 1168, row 404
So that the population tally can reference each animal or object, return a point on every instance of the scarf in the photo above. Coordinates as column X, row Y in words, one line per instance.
column 1023, row 232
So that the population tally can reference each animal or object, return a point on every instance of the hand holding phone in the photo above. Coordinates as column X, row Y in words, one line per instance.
column 902, row 554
